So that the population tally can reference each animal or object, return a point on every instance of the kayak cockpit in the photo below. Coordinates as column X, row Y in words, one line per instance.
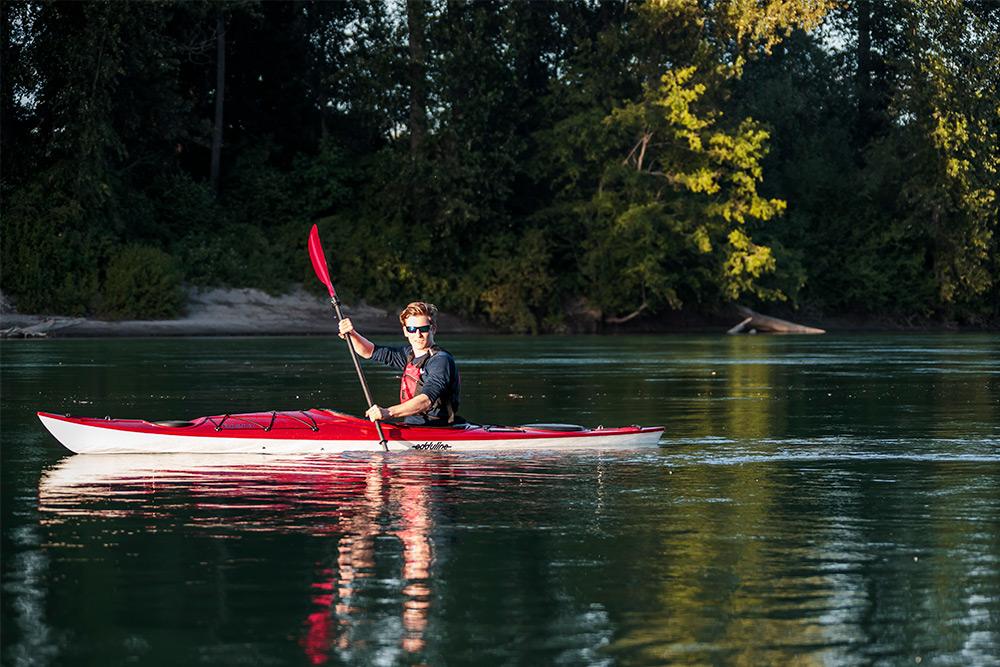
column 555, row 427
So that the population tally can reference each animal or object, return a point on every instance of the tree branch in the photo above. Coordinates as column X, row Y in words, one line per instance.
column 642, row 154
column 622, row 320
column 640, row 146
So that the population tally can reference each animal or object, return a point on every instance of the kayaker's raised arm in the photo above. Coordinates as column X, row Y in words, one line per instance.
column 362, row 345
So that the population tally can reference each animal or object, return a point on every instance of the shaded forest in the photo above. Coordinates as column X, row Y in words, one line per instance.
column 522, row 163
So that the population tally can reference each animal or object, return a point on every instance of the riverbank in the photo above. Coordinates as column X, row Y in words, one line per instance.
column 250, row 312
column 227, row 312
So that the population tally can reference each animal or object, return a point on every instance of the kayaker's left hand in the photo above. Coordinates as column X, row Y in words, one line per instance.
column 377, row 413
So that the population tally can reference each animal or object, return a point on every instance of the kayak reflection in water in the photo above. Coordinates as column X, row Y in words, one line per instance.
column 430, row 387
column 393, row 503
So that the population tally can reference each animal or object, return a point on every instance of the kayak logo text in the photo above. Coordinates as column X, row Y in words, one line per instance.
column 431, row 446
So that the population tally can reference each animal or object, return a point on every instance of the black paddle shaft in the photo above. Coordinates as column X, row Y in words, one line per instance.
column 335, row 302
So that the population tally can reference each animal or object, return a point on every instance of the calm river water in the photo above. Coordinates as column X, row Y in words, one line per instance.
column 815, row 500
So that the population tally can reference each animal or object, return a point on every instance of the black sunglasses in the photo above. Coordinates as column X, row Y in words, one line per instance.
column 423, row 328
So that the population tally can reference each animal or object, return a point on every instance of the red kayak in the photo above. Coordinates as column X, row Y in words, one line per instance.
column 319, row 430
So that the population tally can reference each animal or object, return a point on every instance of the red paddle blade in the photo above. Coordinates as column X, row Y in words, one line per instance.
column 318, row 260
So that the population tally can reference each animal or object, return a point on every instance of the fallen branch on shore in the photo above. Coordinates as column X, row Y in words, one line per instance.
column 754, row 322
column 635, row 313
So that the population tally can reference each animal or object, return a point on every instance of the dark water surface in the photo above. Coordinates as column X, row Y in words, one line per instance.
column 820, row 500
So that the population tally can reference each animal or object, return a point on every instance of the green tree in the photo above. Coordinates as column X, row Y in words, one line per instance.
column 948, row 120
column 883, row 149
column 664, row 182
column 62, row 221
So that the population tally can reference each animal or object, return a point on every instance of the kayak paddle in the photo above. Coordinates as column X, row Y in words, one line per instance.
column 318, row 258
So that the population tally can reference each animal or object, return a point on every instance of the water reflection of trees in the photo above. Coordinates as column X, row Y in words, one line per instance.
column 682, row 558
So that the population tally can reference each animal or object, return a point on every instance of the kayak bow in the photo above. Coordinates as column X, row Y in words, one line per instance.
column 320, row 431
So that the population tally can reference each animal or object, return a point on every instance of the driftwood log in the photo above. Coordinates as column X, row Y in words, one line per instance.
column 755, row 322
column 18, row 332
column 41, row 329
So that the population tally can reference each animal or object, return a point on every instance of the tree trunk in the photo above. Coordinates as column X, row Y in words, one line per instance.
column 220, row 93
column 416, row 17
column 867, row 120
column 755, row 322
column 864, row 55
column 8, row 54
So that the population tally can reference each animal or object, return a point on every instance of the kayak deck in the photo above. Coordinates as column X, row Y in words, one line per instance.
column 320, row 431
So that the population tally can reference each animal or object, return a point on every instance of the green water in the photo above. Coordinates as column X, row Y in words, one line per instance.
column 820, row 500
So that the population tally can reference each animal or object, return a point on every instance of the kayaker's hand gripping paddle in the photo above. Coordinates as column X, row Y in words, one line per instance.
column 318, row 259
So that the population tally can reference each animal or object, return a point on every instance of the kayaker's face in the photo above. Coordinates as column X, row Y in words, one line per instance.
column 417, row 332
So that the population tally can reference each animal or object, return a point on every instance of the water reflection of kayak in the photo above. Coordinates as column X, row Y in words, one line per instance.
column 356, row 503
column 317, row 431
column 124, row 477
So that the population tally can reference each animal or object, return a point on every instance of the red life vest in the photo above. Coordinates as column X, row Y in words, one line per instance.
column 412, row 381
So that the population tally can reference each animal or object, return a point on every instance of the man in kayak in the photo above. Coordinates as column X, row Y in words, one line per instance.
column 430, row 388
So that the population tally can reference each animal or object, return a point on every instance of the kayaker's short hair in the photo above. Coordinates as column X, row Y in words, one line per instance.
column 428, row 310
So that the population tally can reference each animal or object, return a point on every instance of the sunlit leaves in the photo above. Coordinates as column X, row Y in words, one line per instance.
column 692, row 186
column 947, row 94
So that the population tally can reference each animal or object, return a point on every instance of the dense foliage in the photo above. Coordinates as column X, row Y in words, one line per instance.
column 521, row 162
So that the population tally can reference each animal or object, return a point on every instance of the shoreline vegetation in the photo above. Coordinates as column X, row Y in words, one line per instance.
column 251, row 312
column 529, row 167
